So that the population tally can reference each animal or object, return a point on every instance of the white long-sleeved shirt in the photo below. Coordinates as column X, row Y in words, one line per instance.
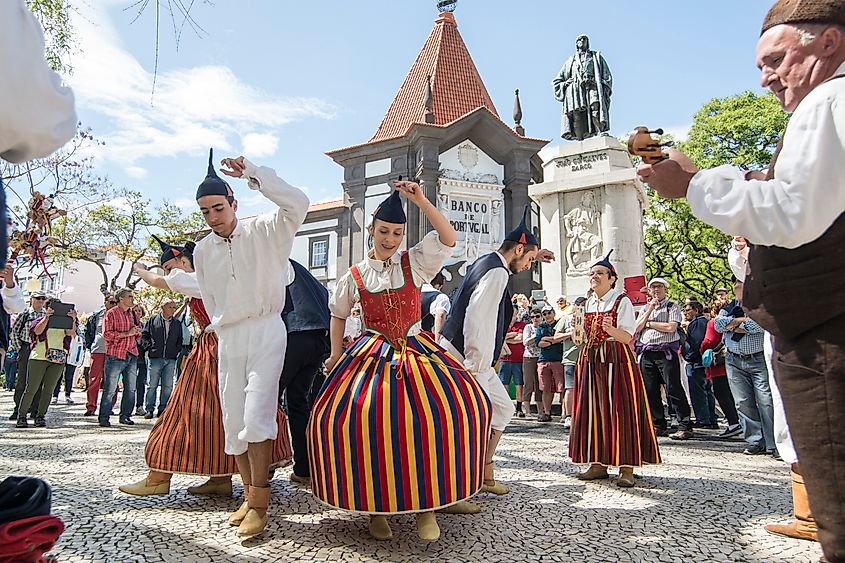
column 243, row 276
column 36, row 111
column 808, row 192
column 480, row 321
column 13, row 301
column 184, row 283
column 426, row 258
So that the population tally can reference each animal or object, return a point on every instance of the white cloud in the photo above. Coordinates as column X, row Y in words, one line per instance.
column 679, row 133
column 185, row 204
column 258, row 145
column 137, row 172
column 120, row 203
column 192, row 108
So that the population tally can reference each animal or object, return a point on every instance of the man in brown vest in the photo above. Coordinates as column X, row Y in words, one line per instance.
column 794, row 218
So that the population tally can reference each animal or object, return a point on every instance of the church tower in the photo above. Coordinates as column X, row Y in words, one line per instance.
column 443, row 131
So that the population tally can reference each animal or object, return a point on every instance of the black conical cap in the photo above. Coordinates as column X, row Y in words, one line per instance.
column 213, row 184
column 168, row 251
column 391, row 210
column 522, row 234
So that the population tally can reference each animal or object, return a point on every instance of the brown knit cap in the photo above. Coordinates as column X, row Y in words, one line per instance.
column 805, row 11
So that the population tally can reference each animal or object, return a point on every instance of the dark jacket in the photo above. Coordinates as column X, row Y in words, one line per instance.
column 306, row 302
column 696, row 331
column 91, row 327
column 153, row 333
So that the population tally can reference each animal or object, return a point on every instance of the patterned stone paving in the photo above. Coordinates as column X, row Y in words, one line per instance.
column 707, row 502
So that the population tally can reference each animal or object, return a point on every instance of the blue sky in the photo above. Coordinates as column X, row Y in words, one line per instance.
column 283, row 81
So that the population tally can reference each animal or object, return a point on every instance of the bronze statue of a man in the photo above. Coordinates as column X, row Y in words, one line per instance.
column 584, row 85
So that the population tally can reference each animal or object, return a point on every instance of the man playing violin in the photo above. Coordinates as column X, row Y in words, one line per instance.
column 794, row 217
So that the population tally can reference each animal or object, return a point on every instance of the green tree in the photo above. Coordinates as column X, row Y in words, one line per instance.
column 54, row 16
column 740, row 130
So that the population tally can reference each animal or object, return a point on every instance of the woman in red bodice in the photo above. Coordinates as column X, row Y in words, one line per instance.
column 188, row 436
column 400, row 426
column 611, row 422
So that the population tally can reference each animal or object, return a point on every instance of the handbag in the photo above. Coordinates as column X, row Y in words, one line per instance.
column 55, row 355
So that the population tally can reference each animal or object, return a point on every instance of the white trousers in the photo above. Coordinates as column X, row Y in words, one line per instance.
column 503, row 405
column 251, row 355
column 783, row 439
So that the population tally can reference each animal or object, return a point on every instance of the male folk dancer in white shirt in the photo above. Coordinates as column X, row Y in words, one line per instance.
column 476, row 326
column 795, row 219
column 240, row 267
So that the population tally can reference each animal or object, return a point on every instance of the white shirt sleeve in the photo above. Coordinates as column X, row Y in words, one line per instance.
column 344, row 297
column 738, row 262
column 183, row 282
column 427, row 257
column 202, row 282
column 36, row 111
column 806, row 197
column 479, row 324
column 13, row 301
column 293, row 205
column 441, row 304
column 625, row 318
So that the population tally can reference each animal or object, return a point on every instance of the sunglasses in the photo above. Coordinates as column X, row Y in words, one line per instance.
column 535, row 316
column 39, row 299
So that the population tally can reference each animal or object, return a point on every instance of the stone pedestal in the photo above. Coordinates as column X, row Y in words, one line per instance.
column 591, row 202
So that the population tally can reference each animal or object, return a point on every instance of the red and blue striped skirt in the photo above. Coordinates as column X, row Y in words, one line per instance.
column 188, row 436
column 611, row 421
column 398, row 430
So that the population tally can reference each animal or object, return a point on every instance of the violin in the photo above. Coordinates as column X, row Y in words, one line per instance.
column 642, row 144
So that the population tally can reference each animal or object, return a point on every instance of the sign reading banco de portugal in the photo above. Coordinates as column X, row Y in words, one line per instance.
column 470, row 216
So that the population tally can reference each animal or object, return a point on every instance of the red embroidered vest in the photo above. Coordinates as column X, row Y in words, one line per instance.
column 391, row 312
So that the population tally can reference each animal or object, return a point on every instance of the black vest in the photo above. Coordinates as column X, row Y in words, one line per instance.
column 427, row 319
column 453, row 328
column 306, row 302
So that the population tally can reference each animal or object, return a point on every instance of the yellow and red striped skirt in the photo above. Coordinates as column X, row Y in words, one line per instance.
column 398, row 429
column 611, row 421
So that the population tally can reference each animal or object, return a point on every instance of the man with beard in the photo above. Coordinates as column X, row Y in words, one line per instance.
column 475, row 330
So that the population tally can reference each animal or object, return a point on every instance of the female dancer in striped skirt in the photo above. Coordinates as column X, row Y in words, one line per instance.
column 611, row 423
column 188, row 436
column 399, row 426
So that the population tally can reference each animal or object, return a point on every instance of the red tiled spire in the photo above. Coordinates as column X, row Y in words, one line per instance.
column 456, row 85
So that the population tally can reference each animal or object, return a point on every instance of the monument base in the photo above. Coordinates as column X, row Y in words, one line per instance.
column 591, row 202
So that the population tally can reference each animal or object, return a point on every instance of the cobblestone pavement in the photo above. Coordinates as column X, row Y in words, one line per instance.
column 707, row 502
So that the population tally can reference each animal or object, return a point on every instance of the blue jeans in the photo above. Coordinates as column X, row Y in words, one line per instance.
column 11, row 369
column 510, row 371
column 160, row 371
column 749, row 380
column 701, row 395
column 113, row 369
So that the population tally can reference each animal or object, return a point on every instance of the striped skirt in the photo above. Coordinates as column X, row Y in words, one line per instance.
column 188, row 436
column 398, row 430
column 611, row 422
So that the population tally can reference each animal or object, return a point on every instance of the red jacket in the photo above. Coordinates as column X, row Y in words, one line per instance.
column 711, row 340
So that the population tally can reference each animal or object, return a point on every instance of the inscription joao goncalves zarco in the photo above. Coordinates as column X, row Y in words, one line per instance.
column 581, row 161
column 469, row 216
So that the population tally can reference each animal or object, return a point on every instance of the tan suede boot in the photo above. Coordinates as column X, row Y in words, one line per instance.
column 379, row 528
column 256, row 517
column 238, row 516
column 490, row 484
column 804, row 526
column 214, row 486
column 596, row 471
column 427, row 528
